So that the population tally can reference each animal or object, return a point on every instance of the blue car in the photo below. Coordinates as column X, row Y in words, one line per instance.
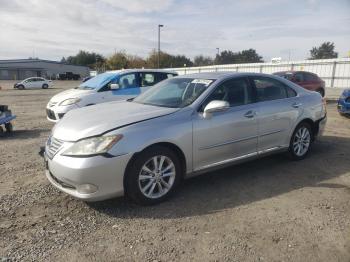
column 344, row 103
column 105, row 87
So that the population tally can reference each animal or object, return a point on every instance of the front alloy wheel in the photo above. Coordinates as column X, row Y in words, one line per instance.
column 153, row 175
column 157, row 176
column 300, row 142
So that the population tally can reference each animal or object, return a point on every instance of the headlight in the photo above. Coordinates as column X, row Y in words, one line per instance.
column 92, row 146
column 69, row 101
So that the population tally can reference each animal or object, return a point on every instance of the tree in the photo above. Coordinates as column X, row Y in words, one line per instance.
column 117, row 61
column 250, row 56
column 167, row 61
column 136, row 62
column 85, row 58
column 201, row 60
column 324, row 51
column 244, row 56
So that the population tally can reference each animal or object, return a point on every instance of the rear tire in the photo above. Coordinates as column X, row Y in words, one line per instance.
column 301, row 140
column 153, row 176
column 9, row 127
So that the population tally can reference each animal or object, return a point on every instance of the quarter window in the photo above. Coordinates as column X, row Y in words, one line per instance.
column 270, row 89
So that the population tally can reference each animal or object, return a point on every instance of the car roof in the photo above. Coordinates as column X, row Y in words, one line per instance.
column 293, row 72
column 143, row 70
column 221, row 75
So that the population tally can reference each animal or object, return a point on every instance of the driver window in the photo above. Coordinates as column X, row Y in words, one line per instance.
column 127, row 81
column 236, row 92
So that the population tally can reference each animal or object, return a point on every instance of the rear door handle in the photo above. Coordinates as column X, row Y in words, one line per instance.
column 249, row 114
column 296, row 105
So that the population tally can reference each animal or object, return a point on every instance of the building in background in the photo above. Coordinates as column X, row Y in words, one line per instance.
column 20, row 69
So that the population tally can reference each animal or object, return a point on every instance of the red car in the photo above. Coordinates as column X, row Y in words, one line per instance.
column 309, row 81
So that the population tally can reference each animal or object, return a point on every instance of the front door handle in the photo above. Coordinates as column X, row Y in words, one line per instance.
column 249, row 114
column 296, row 105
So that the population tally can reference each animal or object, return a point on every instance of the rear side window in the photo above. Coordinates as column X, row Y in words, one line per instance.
column 148, row 79
column 163, row 76
column 271, row 89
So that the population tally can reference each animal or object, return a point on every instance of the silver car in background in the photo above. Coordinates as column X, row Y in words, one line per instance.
column 181, row 127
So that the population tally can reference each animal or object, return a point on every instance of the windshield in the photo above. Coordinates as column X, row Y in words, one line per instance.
column 174, row 92
column 98, row 81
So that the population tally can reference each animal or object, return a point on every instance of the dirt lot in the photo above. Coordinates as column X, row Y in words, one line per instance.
column 272, row 209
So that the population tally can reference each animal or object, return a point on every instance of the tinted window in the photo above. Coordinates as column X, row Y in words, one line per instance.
column 290, row 92
column 298, row 77
column 269, row 89
column 235, row 91
column 127, row 81
column 148, row 79
column 309, row 77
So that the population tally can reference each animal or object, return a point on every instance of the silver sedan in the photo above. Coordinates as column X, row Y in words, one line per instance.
column 183, row 126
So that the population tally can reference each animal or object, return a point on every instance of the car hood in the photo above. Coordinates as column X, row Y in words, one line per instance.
column 70, row 93
column 101, row 118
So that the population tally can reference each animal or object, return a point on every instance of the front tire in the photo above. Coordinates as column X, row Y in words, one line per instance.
column 45, row 86
column 300, row 142
column 153, row 176
column 20, row 87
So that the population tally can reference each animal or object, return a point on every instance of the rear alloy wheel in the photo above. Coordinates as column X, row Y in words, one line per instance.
column 300, row 142
column 153, row 176
column 45, row 86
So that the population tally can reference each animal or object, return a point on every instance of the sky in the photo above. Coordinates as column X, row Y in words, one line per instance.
column 275, row 28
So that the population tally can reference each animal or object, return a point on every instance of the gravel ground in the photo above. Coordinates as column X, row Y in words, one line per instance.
column 272, row 209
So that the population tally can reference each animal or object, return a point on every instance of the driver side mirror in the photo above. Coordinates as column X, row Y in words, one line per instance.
column 215, row 106
column 114, row 86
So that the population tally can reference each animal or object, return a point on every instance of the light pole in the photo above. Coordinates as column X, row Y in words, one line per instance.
column 159, row 26
column 217, row 55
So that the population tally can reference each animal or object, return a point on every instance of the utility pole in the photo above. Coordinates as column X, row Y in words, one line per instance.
column 159, row 26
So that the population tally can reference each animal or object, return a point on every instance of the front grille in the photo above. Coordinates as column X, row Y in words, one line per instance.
column 50, row 114
column 53, row 145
